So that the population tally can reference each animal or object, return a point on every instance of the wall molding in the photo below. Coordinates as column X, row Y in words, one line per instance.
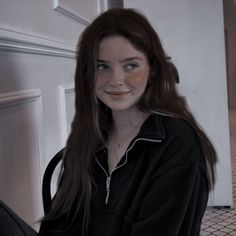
column 102, row 5
column 64, row 90
column 20, row 98
column 64, row 11
column 59, row 7
column 14, row 41
column 11, row 98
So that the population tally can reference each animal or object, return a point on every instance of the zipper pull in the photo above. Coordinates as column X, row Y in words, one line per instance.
column 108, row 180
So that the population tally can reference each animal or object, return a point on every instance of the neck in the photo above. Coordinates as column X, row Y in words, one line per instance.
column 126, row 127
column 126, row 121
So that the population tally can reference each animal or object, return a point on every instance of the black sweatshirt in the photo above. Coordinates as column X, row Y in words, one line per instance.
column 159, row 187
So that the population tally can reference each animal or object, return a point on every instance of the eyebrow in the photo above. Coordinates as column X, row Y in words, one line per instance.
column 123, row 60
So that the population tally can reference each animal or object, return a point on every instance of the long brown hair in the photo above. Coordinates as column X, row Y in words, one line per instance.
column 93, row 119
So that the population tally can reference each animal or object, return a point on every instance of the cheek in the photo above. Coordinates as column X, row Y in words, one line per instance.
column 138, row 79
column 97, row 86
column 101, row 80
column 99, row 83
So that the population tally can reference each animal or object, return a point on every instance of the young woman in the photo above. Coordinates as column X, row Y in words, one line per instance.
column 136, row 162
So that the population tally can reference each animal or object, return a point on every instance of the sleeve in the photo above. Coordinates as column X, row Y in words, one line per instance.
column 176, row 198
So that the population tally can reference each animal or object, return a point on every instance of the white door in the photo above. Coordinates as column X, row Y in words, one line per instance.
column 192, row 33
column 37, row 49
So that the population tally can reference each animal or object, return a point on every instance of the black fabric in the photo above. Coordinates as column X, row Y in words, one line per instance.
column 13, row 225
column 158, row 188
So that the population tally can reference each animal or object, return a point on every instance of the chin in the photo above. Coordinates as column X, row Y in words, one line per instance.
column 120, row 107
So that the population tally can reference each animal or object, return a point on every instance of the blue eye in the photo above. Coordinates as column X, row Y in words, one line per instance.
column 102, row 67
column 131, row 66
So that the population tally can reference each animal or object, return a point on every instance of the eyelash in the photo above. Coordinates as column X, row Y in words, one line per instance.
column 128, row 67
column 131, row 66
column 102, row 67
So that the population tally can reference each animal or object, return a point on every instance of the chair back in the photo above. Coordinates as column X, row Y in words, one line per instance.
column 47, row 177
column 11, row 224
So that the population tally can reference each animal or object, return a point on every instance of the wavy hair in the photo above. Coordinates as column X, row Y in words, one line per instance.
column 93, row 119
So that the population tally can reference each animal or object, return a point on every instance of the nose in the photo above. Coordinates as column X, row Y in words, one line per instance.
column 117, row 77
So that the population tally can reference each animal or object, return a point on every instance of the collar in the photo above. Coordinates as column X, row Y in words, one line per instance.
column 152, row 127
column 152, row 130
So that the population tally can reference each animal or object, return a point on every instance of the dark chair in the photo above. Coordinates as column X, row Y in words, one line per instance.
column 46, row 188
column 12, row 225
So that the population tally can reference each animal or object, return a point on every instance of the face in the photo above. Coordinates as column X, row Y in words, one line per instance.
column 122, row 73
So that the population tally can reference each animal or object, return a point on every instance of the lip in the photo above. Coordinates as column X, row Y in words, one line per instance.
column 117, row 94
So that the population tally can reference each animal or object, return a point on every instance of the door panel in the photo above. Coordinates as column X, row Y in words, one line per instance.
column 37, row 64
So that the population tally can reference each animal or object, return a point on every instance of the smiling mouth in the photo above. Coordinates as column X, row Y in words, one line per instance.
column 117, row 94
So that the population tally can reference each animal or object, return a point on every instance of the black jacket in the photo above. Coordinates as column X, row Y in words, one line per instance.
column 159, row 187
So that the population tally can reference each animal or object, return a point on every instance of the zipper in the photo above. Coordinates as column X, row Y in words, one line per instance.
column 108, row 177
column 108, row 180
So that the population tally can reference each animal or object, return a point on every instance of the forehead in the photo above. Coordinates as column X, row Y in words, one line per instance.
column 117, row 46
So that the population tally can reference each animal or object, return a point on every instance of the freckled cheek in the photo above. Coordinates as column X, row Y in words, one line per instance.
column 137, row 79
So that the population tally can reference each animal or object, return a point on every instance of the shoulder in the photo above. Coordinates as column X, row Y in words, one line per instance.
column 173, row 126
column 180, row 150
column 169, row 125
column 180, row 139
column 178, row 127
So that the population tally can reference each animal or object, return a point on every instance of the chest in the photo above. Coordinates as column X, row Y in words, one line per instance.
column 115, row 152
column 117, row 195
column 117, row 188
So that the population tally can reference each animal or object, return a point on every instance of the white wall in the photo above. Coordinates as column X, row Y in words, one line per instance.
column 193, row 35
column 37, row 48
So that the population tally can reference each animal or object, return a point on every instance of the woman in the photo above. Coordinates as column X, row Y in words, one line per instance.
column 136, row 161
